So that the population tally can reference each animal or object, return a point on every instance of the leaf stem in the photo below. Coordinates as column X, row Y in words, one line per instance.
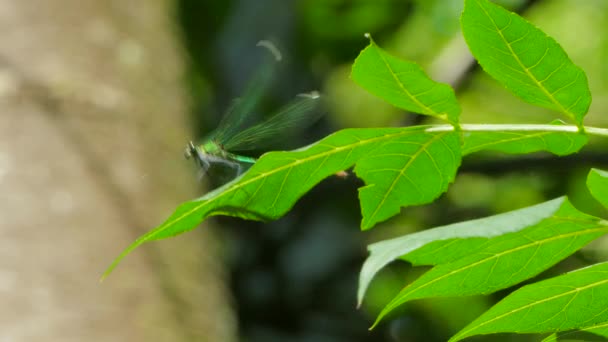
column 520, row 128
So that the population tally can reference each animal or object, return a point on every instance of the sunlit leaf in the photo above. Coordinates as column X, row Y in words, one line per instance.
column 414, row 169
column 576, row 299
column 524, row 59
column 404, row 84
column 393, row 162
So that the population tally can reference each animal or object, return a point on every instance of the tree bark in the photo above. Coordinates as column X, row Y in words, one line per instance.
column 92, row 127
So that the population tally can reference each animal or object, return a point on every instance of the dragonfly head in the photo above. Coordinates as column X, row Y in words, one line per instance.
column 194, row 152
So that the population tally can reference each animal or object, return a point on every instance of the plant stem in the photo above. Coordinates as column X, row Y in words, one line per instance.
column 520, row 128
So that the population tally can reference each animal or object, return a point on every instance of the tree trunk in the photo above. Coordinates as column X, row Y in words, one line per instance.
column 92, row 127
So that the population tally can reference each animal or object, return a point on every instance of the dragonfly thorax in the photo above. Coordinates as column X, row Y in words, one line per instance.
column 213, row 147
column 210, row 152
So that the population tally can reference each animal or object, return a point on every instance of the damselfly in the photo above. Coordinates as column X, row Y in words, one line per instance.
column 233, row 135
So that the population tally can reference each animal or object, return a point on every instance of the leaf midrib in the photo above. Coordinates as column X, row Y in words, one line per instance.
column 521, row 136
column 524, row 68
column 404, row 89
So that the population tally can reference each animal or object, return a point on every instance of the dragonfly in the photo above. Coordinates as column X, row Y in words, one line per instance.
column 234, row 136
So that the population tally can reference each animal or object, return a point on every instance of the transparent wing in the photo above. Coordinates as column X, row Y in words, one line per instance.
column 296, row 115
column 236, row 117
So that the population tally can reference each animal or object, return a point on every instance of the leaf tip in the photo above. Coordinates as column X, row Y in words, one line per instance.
column 122, row 255
column 369, row 36
column 103, row 277
column 111, row 268
column 378, row 319
column 360, row 295
column 374, row 325
column 368, row 222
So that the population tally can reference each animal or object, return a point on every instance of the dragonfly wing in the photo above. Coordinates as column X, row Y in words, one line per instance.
column 236, row 117
column 296, row 115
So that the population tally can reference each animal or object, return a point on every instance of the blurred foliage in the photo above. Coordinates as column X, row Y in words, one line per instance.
column 295, row 279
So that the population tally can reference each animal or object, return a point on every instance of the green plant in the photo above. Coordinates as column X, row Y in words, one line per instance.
column 415, row 165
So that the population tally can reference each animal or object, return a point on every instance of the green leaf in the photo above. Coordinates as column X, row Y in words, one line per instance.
column 278, row 179
column 597, row 181
column 506, row 260
column 404, row 84
column 410, row 170
column 576, row 299
column 524, row 59
column 521, row 142
column 597, row 332
column 451, row 242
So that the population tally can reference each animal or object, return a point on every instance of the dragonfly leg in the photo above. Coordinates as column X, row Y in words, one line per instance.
column 204, row 167
column 239, row 169
column 235, row 165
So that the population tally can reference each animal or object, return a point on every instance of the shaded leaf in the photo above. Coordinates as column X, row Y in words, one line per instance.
column 524, row 59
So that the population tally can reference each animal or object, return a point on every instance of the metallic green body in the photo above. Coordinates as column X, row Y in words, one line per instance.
column 214, row 148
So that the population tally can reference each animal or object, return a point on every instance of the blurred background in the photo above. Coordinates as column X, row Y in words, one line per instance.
column 98, row 99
